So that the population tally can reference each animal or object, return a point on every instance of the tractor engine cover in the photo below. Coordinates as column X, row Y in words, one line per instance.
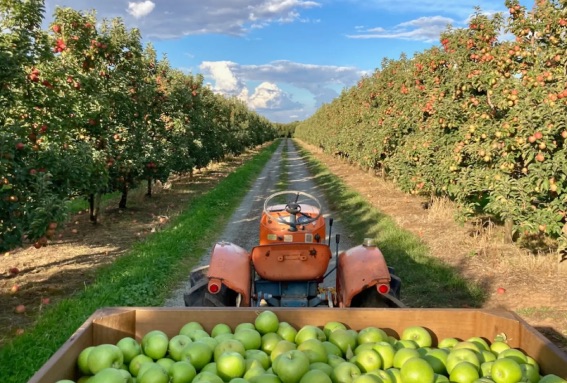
column 291, row 261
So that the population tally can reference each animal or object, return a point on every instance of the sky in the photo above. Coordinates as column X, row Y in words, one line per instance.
column 285, row 58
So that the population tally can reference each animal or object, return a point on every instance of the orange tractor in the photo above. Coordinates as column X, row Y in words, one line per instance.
column 290, row 265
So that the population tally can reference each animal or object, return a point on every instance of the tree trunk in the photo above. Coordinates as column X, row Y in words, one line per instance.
column 94, row 207
column 508, row 230
column 149, row 193
column 124, row 198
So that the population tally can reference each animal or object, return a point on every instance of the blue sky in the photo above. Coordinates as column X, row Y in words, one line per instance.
column 285, row 58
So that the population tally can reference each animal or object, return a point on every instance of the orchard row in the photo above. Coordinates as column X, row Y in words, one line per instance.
column 481, row 118
column 86, row 109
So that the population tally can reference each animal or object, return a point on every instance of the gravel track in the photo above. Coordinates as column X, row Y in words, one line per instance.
column 243, row 226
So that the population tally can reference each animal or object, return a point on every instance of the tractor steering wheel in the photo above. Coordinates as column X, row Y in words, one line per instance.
column 293, row 207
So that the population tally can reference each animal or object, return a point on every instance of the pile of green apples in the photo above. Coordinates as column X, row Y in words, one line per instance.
column 273, row 351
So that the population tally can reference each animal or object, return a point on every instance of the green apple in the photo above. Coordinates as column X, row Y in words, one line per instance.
column 332, row 349
column 281, row 347
column 230, row 364
column 137, row 362
column 260, row 356
column 386, row 352
column 438, row 378
column 383, row 375
column 166, row 363
column 371, row 334
column 464, row 372
column 395, row 374
column 220, row 328
column 104, row 356
column 250, row 338
column 461, row 355
column 244, row 325
column 291, row 366
column 197, row 334
column 182, row 372
column 406, row 343
column 486, row 356
column 154, row 373
column 552, row 378
column 417, row 370
column 325, row 367
column 210, row 367
column 513, row 353
column 437, row 359
column 65, row 381
column 314, row 350
column 211, row 342
column 481, row 342
column 287, row 331
column 238, row 380
column 207, row 377
column 228, row 345
column 483, row 380
column 108, row 375
column 529, row 373
column 266, row 378
column 448, row 342
column 367, row 360
column 418, row 334
column 189, row 327
column 367, row 378
column 129, row 347
column 197, row 353
column 486, row 369
column 82, row 360
column 254, row 371
column 334, row 360
column 176, row 346
column 498, row 346
column 506, row 370
column 343, row 339
column 470, row 345
column 315, row 376
column 363, row 346
column 155, row 344
column 269, row 342
column 267, row 321
column 404, row 354
column 345, row 372
column 219, row 338
column 331, row 326
column 309, row 332
column 533, row 362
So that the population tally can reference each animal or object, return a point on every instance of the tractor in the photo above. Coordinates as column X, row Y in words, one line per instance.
column 290, row 265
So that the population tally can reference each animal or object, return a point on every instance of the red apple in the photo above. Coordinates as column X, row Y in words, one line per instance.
column 14, row 271
column 501, row 290
column 20, row 146
column 45, row 301
column 56, row 28
column 20, row 309
column 14, row 289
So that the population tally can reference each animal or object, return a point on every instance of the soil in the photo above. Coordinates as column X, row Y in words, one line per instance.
column 531, row 284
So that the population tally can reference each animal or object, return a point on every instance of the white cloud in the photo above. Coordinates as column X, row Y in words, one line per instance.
column 139, row 10
column 173, row 18
column 320, row 82
column 427, row 29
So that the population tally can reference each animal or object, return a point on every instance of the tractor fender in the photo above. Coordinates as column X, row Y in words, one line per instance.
column 230, row 265
column 360, row 268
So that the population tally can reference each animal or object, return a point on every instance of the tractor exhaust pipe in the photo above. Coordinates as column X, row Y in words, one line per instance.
column 330, row 230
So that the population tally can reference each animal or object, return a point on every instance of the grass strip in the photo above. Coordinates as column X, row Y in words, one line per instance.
column 426, row 281
column 143, row 277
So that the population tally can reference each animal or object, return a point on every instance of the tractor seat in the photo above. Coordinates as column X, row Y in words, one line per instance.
column 291, row 261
